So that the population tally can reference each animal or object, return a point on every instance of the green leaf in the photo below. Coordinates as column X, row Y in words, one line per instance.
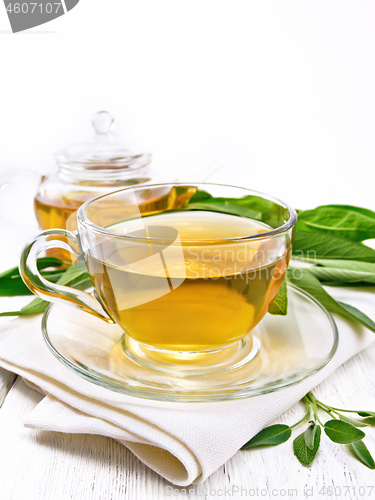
column 356, row 423
column 350, row 265
column 366, row 413
column 370, row 421
column 355, row 314
column 10, row 272
column 340, row 221
column 73, row 273
column 279, row 305
column 339, row 275
column 305, row 454
column 270, row 436
column 313, row 245
column 303, row 278
column 309, row 435
column 226, row 208
column 45, row 262
column 342, row 432
column 364, row 211
column 354, row 272
column 200, row 195
column 361, row 452
column 254, row 207
column 14, row 285
column 11, row 283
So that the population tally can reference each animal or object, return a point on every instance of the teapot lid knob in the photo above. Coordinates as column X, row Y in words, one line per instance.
column 102, row 122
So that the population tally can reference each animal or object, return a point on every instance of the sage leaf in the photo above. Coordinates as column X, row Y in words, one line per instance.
column 355, row 314
column 305, row 454
column 14, row 271
column 226, row 208
column 340, row 221
column 279, row 305
column 361, row 452
column 313, row 245
column 309, row 435
column 251, row 206
column 364, row 211
column 350, row 265
column 356, row 423
column 73, row 274
column 339, row 275
column 13, row 287
column 270, row 436
column 200, row 195
column 342, row 432
column 11, row 283
column 366, row 413
column 303, row 278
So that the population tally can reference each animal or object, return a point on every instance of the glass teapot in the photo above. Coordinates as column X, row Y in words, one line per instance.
column 88, row 170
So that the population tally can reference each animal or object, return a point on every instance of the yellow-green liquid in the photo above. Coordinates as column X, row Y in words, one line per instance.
column 210, row 298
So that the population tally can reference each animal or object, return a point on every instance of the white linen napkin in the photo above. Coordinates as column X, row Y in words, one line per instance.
column 184, row 442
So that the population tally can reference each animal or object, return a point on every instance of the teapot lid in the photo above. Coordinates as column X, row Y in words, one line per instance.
column 104, row 152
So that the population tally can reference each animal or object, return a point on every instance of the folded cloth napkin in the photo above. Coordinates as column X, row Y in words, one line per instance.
column 184, row 442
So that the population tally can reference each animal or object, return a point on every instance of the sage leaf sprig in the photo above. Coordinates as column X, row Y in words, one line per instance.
column 340, row 429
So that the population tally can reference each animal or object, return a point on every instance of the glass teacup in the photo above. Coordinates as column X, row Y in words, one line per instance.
column 186, row 270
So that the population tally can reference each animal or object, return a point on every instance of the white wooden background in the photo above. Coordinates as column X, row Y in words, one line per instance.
column 47, row 465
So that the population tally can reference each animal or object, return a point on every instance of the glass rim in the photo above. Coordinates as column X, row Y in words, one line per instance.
column 83, row 218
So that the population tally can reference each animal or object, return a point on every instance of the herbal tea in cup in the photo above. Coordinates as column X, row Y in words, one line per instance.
column 186, row 270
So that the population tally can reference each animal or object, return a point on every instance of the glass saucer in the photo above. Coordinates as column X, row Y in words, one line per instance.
column 280, row 352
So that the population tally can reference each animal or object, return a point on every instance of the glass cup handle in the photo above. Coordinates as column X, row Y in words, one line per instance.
column 54, row 292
